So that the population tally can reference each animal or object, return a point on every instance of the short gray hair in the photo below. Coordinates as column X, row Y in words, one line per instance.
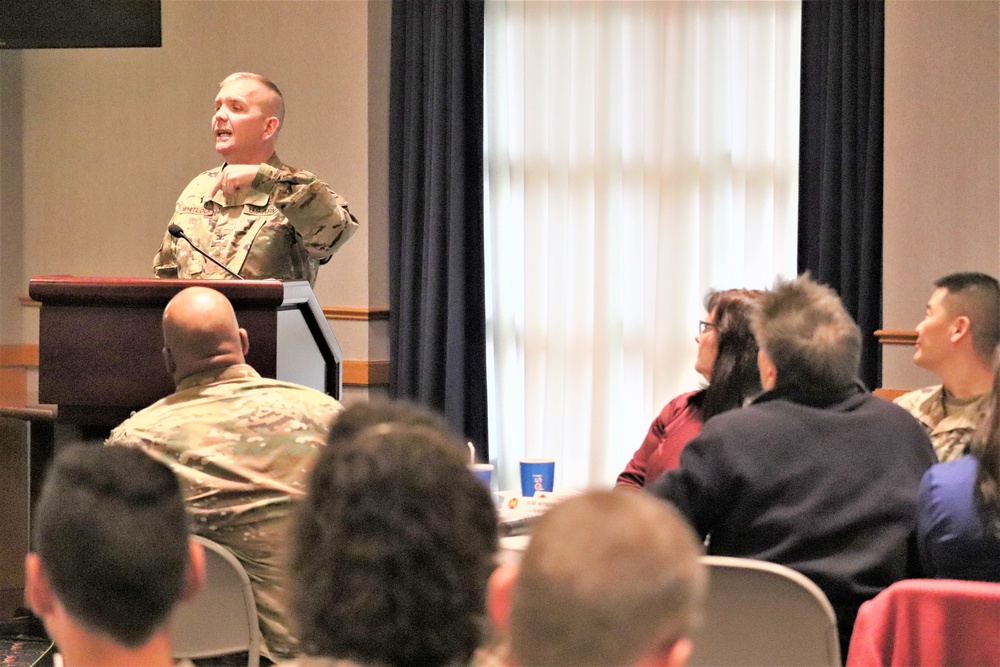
column 279, row 99
column 808, row 335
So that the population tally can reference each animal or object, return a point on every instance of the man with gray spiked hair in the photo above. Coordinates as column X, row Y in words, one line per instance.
column 816, row 473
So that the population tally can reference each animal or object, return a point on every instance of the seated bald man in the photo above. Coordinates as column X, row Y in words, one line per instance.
column 241, row 445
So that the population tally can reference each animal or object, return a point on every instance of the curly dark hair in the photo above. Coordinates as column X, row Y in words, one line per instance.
column 735, row 377
column 394, row 543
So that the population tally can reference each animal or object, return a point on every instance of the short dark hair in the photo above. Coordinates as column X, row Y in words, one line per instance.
column 808, row 335
column 608, row 577
column 111, row 531
column 977, row 296
column 735, row 377
column 394, row 543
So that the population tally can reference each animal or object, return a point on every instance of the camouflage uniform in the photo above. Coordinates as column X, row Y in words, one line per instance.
column 951, row 432
column 242, row 447
column 284, row 227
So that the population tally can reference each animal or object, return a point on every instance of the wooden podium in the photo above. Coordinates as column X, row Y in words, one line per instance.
column 100, row 341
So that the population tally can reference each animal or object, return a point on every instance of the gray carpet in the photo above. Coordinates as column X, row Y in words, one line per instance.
column 25, row 652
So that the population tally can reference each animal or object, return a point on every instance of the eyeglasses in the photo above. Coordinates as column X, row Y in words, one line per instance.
column 703, row 325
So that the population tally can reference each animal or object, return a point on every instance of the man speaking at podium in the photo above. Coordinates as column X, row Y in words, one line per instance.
column 255, row 215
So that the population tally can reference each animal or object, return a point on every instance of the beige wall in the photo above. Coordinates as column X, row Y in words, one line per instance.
column 96, row 145
column 106, row 139
column 942, row 158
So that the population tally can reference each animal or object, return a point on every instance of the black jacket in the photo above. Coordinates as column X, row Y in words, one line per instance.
column 826, row 485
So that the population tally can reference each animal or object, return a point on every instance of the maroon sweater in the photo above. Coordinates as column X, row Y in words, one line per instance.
column 677, row 423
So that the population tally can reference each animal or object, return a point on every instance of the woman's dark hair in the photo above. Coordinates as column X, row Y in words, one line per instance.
column 985, row 446
column 734, row 374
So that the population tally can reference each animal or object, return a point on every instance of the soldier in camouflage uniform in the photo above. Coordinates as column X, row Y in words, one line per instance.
column 242, row 445
column 956, row 340
column 255, row 214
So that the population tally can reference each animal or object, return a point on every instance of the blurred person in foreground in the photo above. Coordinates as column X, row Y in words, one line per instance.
column 955, row 341
column 609, row 578
column 959, row 523
column 727, row 359
column 394, row 545
column 242, row 445
column 816, row 474
column 112, row 556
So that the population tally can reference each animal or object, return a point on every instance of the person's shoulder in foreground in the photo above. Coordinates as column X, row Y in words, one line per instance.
column 955, row 534
column 609, row 578
column 958, row 528
column 111, row 557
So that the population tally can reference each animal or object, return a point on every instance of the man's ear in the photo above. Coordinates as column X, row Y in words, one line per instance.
column 244, row 341
column 271, row 126
column 168, row 360
column 961, row 326
column 37, row 590
column 680, row 653
column 766, row 368
column 676, row 656
column 195, row 571
column 500, row 596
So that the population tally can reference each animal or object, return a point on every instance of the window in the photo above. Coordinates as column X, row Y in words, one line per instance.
column 637, row 155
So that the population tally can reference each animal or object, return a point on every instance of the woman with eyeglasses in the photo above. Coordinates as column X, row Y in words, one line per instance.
column 727, row 359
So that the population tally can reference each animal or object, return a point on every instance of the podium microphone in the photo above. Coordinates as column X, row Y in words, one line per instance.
column 178, row 233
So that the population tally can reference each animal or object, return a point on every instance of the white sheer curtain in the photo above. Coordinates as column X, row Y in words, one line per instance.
column 637, row 154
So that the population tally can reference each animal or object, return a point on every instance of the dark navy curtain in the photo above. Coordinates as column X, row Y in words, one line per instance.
column 437, row 299
column 840, row 159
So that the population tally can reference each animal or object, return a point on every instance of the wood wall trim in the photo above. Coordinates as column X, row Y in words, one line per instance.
column 18, row 356
column 889, row 394
column 896, row 336
column 356, row 314
column 330, row 312
column 366, row 373
column 356, row 373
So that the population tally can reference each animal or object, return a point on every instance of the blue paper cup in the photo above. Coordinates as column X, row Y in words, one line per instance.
column 537, row 475
column 483, row 472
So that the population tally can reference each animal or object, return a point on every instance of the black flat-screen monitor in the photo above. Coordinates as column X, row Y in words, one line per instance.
column 68, row 24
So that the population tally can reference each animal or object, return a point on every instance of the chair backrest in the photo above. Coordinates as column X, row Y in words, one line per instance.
column 929, row 622
column 760, row 613
column 222, row 618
